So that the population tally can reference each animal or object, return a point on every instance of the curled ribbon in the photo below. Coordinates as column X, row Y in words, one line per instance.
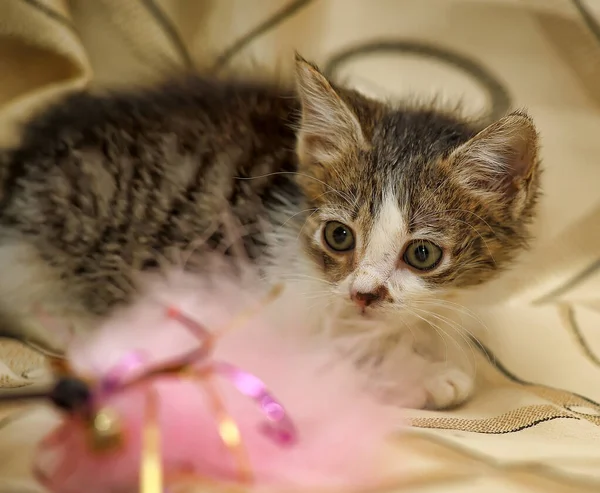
column 278, row 426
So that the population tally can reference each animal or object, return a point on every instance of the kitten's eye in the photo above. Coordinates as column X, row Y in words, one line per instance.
column 338, row 236
column 422, row 255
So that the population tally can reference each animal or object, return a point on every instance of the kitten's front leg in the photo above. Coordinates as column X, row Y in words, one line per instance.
column 432, row 385
column 449, row 367
column 420, row 372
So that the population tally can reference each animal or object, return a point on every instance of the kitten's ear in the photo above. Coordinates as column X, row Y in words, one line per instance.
column 328, row 127
column 501, row 159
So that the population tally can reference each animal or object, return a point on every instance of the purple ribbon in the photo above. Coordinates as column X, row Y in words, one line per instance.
column 127, row 365
column 278, row 427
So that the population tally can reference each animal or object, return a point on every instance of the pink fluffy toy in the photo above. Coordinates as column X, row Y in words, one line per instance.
column 206, row 381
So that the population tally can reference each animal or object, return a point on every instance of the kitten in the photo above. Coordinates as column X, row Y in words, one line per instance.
column 378, row 208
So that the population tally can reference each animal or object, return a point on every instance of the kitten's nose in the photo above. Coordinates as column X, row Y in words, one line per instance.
column 365, row 299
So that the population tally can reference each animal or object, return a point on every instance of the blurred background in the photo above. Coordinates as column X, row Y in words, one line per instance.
column 539, row 389
column 489, row 54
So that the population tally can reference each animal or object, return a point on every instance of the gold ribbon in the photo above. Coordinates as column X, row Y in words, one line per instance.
column 151, row 470
column 151, row 467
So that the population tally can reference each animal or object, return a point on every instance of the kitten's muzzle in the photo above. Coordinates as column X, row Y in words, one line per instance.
column 363, row 300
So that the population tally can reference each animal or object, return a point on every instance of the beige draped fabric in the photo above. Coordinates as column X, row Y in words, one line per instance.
column 534, row 423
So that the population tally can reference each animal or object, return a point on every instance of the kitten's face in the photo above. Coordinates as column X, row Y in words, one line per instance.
column 411, row 204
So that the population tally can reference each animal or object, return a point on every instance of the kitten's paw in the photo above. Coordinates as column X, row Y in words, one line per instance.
column 448, row 387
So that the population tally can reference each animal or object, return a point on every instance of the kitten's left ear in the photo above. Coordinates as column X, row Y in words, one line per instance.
column 329, row 127
column 501, row 159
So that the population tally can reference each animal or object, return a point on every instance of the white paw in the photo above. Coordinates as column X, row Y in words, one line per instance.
column 448, row 386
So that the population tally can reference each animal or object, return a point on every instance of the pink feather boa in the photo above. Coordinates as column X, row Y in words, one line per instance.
column 340, row 430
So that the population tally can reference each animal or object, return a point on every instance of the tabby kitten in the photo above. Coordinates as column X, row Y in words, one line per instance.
column 387, row 207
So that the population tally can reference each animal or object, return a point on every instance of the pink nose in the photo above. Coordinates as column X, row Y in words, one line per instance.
column 366, row 299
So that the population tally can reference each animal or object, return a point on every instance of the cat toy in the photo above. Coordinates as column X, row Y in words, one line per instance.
column 105, row 433
column 155, row 400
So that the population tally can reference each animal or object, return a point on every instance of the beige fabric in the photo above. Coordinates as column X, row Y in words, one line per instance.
column 544, row 323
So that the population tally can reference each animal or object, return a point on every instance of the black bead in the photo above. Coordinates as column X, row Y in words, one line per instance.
column 70, row 394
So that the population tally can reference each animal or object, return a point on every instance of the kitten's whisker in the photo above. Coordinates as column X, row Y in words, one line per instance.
column 324, row 307
column 461, row 330
column 281, row 225
column 199, row 242
column 471, row 336
column 440, row 331
column 299, row 276
column 474, row 339
column 317, row 291
column 304, row 175
column 312, row 296
column 409, row 328
column 443, row 333
column 457, row 307
column 458, row 329
column 237, row 233
column 302, row 282
column 303, row 225
column 247, row 230
column 464, row 334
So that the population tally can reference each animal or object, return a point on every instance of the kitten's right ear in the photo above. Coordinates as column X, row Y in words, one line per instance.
column 328, row 127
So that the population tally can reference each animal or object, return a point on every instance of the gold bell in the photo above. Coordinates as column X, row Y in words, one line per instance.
column 106, row 433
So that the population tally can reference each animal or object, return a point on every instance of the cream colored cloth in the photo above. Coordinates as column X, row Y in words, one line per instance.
column 534, row 424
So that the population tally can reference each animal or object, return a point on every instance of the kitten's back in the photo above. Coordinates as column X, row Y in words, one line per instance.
column 103, row 184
